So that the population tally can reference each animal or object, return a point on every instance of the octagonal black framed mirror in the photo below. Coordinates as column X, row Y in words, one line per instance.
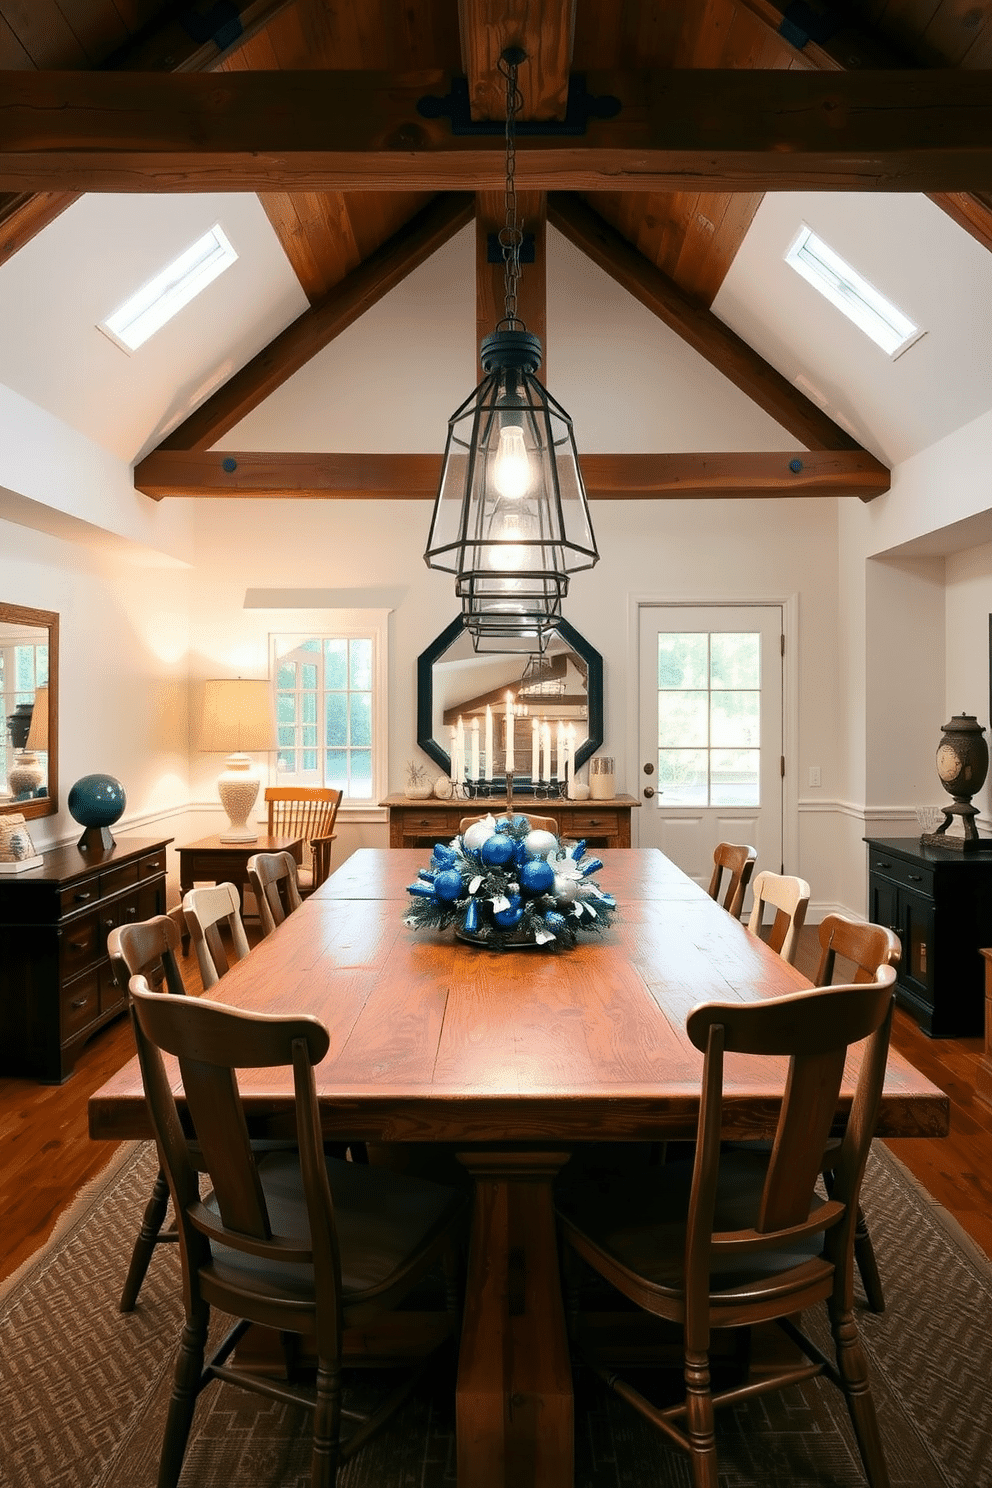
column 562, row 685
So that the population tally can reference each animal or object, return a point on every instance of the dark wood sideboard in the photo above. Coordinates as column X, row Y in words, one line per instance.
column 939, row 903
column 57, row 987
column 421, row 823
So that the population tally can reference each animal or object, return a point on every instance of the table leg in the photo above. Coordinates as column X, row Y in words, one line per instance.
column 185, row 882
column 514, row 1395
column 983, row 1075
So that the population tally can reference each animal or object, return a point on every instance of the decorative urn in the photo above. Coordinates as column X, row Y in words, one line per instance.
column 962, row 765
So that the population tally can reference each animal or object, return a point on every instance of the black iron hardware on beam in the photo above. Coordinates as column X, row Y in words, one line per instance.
column 581, row 107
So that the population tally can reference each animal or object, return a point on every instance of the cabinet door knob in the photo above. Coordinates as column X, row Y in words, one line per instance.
column 648, row 792
column 915, row 877
column 81, row 896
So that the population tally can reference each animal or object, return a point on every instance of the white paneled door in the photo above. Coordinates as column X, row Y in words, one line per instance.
column 710, row 732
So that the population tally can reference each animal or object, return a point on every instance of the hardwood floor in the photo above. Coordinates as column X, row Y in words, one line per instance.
column 46, row 1154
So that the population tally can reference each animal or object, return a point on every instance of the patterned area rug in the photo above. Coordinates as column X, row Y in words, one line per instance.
column 83, row 1389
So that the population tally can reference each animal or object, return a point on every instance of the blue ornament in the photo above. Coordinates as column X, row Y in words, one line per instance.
column 506, row 919
column 97, row 801
column 420, row 890
column 497, row 850
column 593, row 866
column 554, row 921
column 427, row 874
column 444, row 855
column 504, row 824
column 448, row 885
column 578, row 850
column 472, row 916
column 537, row 876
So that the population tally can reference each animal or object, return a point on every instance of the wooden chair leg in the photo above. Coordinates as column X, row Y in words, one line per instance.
column 864, row 1254
column 700, row 1425
column 148, row 1236
column 853, row 1369
column 186, row 1387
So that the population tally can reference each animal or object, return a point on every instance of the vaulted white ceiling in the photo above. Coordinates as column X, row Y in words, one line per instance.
column 391, row 380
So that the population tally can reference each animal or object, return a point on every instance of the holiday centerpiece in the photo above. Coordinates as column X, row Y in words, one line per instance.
column 503, row 883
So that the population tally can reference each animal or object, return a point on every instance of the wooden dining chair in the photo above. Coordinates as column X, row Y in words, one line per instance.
column 208, row 911
column 789, row 897
column 273, row 882
column 538, row 823
column 302, row 1243
column 734, row 1238
column 149, row 948
column 310, row 812
column 863, row 949
column 737, row 860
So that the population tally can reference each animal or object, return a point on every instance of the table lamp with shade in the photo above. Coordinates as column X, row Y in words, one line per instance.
column 237, row 719
column 27, row 774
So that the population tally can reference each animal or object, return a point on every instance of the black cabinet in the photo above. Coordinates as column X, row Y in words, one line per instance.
column 939, row 903
column 57, row 987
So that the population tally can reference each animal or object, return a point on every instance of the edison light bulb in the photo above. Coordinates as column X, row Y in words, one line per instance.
column 511, row 467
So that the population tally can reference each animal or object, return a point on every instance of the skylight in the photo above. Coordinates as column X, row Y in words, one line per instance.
column 164, row 296
column 844, row 287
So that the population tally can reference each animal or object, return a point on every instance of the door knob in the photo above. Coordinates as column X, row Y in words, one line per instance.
column 648, row 792
column 649, row 768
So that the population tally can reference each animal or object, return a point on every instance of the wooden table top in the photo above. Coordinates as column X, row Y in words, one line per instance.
column 436, row 1040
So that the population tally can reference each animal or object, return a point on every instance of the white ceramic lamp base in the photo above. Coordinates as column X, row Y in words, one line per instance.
column 238, row 786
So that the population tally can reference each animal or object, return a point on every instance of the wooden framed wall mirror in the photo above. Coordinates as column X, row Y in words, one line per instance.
column 565, row 684
column 29, row 693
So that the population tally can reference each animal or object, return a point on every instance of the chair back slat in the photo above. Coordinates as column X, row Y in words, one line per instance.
column 273, row 880
column 211, row 1042
column 868, row 946
column 150, row 948
column 208, row 911
column 814, row 1031
column 737, row 860
column 789, row 897
column 307, row 811
column 538, row 823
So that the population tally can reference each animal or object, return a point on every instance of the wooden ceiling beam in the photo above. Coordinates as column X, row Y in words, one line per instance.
column 837, row 45
column 318, row 326
column 173, row 47
column 614, row 477
column 737, row 130
column 697, row 326
column 543, row 28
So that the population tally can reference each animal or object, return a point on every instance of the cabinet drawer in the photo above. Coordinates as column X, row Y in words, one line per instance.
column 439, row 823
column 87, row 891
column 151, row 864
column 82, row 941
column 913, row 876
column 116, row 879
column 591, row 823
column 80, row 1003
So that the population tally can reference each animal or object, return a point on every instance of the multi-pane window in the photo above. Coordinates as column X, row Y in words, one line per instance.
column 326, row 712
column 709, row 717
column 23, row 669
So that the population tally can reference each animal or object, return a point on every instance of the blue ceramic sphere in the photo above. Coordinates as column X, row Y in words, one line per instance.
column 97, row 801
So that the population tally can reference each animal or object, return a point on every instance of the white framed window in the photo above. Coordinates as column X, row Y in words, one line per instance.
column 851, row 293
column 330, row 708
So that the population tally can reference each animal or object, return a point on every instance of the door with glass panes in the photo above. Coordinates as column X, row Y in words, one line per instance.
column 710, row 732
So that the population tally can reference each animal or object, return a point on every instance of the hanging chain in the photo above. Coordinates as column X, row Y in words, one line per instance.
column 511, row 236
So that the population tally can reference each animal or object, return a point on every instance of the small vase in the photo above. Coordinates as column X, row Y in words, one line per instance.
column 418, row 792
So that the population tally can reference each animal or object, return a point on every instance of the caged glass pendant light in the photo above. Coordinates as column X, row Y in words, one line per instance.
column 511, row 518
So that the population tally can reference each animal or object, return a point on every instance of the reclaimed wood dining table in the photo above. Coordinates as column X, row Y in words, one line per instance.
column 518, row 1058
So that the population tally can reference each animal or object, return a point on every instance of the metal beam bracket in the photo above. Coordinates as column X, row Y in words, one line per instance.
column 581, row 107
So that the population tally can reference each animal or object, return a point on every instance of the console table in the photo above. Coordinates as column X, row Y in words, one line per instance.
column 421, row 823
column 58, row 985
column 212, row 860
column 939, row 903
